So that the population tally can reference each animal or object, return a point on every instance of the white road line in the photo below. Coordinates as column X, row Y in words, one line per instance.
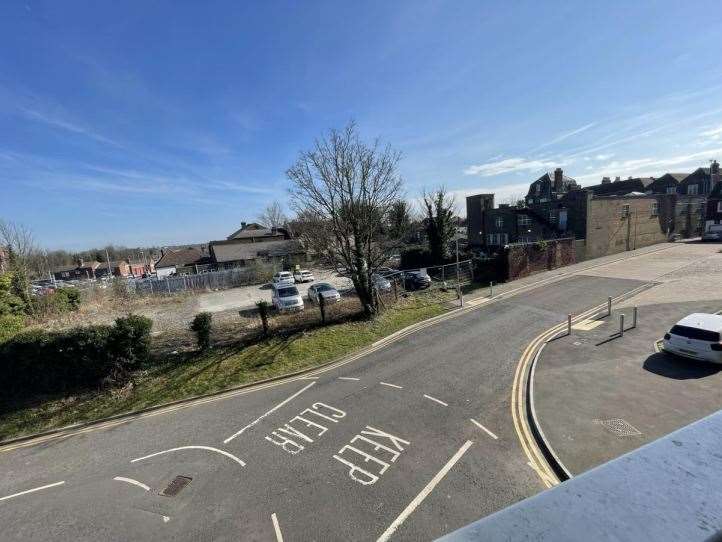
column 131, row 481
column 208, row 448
column 274, row 409
column 391, row 385
column 436, row 400
column 276, row 527
column 31, row 490
column 545, row 477
column 492, row 435
column 424, row 493
column 308, row 378
column 348, row 378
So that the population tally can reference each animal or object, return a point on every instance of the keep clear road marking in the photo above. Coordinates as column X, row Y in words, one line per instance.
column 391, row 385
column 424, row 493
column 274, row 409
column 31, row 490
column 492, row 435
column 131, row 481
column 436, row 400
column 348, row 378
column 276, row 527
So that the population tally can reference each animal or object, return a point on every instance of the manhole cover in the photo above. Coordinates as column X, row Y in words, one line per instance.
column 619, row 427
column 176, row 486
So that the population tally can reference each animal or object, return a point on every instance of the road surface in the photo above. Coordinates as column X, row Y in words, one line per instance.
column 407, row 443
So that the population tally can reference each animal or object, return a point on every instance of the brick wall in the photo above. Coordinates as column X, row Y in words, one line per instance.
column 526, row 259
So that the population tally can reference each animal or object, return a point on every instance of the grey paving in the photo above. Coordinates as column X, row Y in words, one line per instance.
column 467, row 362
column 585, row 384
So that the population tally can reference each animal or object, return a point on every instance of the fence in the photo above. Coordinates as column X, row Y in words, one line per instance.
column 443, row 277
column 213, row 280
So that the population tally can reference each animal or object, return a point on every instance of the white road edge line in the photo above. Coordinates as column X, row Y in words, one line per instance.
column 492, row 435
column 424, row 493
column 391, row 385
column 131, row 481
column 279, row 405
column 436, row 400
column 31, row 490
column 276, row 527
column 348, row 378
column 208, row 448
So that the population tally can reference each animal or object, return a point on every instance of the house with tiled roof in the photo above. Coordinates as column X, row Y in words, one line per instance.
column 173, row 261
column 550, row 187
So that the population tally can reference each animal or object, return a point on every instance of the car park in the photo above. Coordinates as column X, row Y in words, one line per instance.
column 286, row 298
column 697, row 336
column 303, row 275
column 713, row 233
column 283, row 277
column 325, row 290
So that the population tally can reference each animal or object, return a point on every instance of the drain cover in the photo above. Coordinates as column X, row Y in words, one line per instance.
column 176, row 486
column 619, row 427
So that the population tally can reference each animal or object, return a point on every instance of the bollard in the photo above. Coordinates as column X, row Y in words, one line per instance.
column 621, row 325
column 609, row 306
column 634, row 317
column 491, row 289
column 459, row 294
column 569, row 324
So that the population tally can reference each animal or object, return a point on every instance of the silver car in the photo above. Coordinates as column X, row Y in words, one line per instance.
column 329, row 293
column 713, row 233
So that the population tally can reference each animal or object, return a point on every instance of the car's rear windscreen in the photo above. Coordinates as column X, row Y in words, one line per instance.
column 695, row 333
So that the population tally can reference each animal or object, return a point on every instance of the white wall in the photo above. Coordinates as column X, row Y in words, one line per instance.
column 164, row 271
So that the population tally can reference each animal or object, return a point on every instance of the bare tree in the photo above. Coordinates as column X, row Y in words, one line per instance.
column 440, row 224
column 515, row 200
column 20, row 244
column 345, row 188
column 273, row 216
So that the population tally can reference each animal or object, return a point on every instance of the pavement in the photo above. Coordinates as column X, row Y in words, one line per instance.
column 408, row 442
column 598, row 395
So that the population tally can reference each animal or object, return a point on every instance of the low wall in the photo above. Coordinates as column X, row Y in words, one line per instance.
column 525, row 259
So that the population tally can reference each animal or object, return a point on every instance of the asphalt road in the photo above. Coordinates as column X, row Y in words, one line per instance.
column 409, row 442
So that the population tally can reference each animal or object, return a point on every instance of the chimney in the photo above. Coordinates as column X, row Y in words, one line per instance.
column 558, row 177
column 714, row 174
column 617, row 179
column 243, row 225
column 606, row 180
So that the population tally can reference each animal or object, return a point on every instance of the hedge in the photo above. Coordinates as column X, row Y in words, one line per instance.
column 46, row 362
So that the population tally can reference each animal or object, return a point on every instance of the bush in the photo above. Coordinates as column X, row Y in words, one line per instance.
column 46, row 362
column 129, row 341
column 10, row 324
column 67, row 299
column 201, row 325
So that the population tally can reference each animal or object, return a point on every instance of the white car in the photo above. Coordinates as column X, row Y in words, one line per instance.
column 286, row 298
column 696, row 336
column 303, row 276
column 381, row 283
column 283, row 278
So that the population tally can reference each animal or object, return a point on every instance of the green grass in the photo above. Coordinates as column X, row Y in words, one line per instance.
column 179, row 377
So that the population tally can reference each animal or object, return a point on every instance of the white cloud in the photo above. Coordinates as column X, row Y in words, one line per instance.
column 603, row 156
column 713, row 131
column 58, row 122
column 508, row 165
column 566, row 135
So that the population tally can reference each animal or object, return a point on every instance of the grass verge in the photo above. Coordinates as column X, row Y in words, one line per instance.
column 177, row 377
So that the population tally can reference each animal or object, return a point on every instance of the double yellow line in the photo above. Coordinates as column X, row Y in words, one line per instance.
column 533, row 452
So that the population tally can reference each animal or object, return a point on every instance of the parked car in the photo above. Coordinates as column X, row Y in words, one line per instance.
column 382, row 284
column 303, row 276
column 416, row 280
column 696, row 336
column 283, row 277
column 329, row 293
column 285, row 297
column 713, row 233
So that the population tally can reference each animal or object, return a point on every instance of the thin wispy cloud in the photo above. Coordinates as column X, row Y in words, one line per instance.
column 508, row 165
column 565, row 136
column 58, row 122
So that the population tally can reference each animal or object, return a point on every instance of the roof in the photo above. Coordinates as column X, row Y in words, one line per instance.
column 623, row 186
column 181, row 257
column 254, row 230
column 700, row 320
column 225, row 251
column 568, row 183
column 677, row 176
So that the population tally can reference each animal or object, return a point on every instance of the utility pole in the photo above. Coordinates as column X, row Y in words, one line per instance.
column 458, row 280
column 107, row 259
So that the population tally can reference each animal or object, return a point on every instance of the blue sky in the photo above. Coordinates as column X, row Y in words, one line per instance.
column 157, row 122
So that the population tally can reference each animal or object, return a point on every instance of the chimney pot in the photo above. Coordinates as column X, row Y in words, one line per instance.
column 558, row 179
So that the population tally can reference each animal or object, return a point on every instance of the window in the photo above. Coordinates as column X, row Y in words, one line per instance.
column 692, row 190
column 499, row 222
column 524, row 220
column 496, row 239
column 671, row 190
column 695, row 333
column 538, row 188
column 625, row 211
column 719, row 206
column 552, row 217
column 655, row 208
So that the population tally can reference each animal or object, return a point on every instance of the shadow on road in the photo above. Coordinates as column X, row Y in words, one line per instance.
column 670, row 366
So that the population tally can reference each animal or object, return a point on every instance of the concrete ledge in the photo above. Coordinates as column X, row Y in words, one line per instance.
column 667, row 490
